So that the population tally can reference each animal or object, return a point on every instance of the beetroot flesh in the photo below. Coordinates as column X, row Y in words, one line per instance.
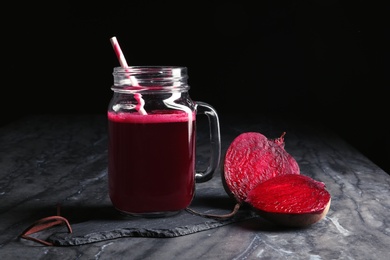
column 252, row 158
column 290, row 200
column 292, row 194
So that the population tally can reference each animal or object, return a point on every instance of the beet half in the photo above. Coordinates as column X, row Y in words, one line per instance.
column 251, row 159
column 290, row 200
column 259, row 172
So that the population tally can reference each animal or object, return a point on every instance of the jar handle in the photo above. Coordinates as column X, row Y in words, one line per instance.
column 215, row 142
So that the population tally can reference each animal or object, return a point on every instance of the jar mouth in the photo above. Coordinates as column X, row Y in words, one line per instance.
column 151, row 67
column 153, row 71
column 155, row 78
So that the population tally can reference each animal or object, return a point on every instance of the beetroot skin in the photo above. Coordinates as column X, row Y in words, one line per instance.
column 251, row 159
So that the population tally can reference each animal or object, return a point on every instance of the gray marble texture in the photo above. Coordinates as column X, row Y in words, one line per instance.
column 47, row 161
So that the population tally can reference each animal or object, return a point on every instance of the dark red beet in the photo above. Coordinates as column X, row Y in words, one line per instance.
column 290, row 200
column 259, row 172
column 251, row 159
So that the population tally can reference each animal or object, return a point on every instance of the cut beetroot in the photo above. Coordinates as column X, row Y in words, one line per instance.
column 291, row 200
column 259, row 172
column 251, row 159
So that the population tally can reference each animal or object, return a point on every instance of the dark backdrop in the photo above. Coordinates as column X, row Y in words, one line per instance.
column 316, row 60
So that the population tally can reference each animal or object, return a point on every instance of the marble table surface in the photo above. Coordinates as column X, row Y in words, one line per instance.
column 50, row 160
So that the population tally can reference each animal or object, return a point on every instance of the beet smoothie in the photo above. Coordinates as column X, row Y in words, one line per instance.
column 151, row 161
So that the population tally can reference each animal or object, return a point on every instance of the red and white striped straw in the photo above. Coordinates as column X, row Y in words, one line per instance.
column 118, row 52
column 123, row 63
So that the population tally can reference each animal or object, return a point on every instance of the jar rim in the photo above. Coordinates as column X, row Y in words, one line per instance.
column 149, row 78
column 149, row 68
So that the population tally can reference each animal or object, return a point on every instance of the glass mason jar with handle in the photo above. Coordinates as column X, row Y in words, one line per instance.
column 152, row 141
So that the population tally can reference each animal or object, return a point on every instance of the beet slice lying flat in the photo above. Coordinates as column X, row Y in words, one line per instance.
column 252, row 158
column 290, row 200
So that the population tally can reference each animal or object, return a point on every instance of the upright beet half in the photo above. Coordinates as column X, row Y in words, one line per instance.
column 259, row 172
column 252, row 159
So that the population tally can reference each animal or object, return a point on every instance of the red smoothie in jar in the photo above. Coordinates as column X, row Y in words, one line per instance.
column 151, row 161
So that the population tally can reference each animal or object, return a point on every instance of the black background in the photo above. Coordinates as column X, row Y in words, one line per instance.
column 316, row 60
